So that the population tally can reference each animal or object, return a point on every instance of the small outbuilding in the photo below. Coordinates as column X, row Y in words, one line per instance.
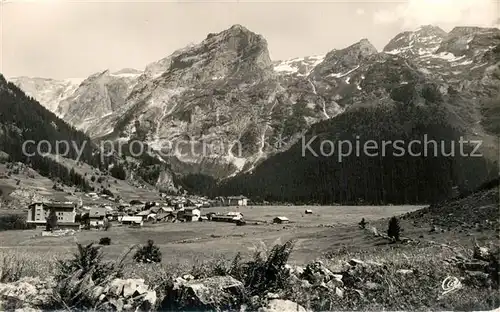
column 308, row 211
column 192, row 214
column 281, row 220
column 237, row 201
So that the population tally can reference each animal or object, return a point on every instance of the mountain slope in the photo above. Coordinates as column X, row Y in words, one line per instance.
column 49, row 92
column 25, row 124
column 403, row 95
column 304, row 175
column 478, row 209
column 222, row 93
column 30, row 134
column 221, row 107
column 98, row 96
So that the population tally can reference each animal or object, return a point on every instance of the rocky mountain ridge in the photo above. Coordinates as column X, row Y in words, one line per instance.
column 226, row 91
column 49, row 92
column 435, row 87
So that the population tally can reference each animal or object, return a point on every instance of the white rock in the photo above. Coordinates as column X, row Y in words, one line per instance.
column 279, row 305
column 130, row 287
column 355, row 262
column 339, row 292
column 271, row 295
column 116, row 287
column 150, row 298
column 188, row 277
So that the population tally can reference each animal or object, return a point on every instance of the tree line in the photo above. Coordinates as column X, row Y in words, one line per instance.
column 297, row 178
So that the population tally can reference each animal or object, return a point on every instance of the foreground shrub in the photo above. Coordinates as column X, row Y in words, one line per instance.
column 11, row 269
column 148, row 254
column 88, row 260
column 77, row 277
column 264, row 274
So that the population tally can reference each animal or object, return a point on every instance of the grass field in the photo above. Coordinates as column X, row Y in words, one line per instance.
column 330, row 234
column 327, row 229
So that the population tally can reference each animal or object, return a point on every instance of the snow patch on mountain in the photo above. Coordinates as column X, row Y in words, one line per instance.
column 340, row 75
column 302, row 66
column 48, row 92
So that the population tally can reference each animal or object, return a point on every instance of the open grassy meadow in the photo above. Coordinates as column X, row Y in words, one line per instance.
column 329, row 227
column 330, row 234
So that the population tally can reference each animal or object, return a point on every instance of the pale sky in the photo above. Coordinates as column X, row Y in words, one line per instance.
column 69, row 39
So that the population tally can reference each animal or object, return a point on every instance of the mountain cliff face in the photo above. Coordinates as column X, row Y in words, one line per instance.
column 464, row 69
column 217, row 107
column 221, row 107
column 425, row 40
column 425, row 84
column 98, row 96
column 22, row 119
column 50, row 92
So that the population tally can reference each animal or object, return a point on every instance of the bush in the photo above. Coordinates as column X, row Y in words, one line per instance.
column 77, row 277
column 363, row 223
column 106, row 191
column 105, row 241
column 118, row 172
column 11, row 269
column 14, row 222
column 264, row 274
column 148, row 253
column 394, row 229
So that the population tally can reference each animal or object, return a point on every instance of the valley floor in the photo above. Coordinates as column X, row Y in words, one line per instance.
column 328, row 228
column 330, row 234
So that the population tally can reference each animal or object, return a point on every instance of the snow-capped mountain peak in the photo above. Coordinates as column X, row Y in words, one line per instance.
column 301, row 66
column 49, row 92
column 226, row 88
column 424, row 40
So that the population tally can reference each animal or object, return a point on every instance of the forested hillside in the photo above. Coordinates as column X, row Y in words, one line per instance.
column 298, row 178
column 22, row 119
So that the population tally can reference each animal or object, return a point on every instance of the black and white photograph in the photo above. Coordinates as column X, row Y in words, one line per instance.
column 249, row 155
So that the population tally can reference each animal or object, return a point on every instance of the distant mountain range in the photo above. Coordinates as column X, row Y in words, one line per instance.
column 226, row 89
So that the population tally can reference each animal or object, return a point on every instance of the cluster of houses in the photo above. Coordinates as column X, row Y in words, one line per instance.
column 135, row 213
column 203, row 202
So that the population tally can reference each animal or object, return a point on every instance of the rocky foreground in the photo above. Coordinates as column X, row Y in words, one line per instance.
column 420, row 279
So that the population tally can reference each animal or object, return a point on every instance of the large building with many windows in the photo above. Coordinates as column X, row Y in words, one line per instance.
column 65, row 211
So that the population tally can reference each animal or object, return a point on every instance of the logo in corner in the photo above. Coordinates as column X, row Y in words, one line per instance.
column 450, row 284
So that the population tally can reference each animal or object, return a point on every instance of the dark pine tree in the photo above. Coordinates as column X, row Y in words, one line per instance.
column 394, row 229
column 51, row 220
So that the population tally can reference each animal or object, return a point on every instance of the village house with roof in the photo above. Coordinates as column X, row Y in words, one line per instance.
column 65, row 211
